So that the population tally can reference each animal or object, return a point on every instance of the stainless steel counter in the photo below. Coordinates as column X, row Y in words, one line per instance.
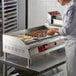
column 39, row 65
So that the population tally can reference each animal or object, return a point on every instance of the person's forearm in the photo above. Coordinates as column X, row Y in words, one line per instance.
column 57, row 30
column 53, row 31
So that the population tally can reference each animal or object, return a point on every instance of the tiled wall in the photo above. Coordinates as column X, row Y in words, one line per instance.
column 38, row 10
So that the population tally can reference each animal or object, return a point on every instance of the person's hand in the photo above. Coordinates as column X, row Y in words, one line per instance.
column 52, row 31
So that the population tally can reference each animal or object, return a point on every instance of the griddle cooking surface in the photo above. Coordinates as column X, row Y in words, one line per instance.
column 38, row 33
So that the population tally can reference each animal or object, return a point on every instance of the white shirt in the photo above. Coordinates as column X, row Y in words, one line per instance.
column 69, row 22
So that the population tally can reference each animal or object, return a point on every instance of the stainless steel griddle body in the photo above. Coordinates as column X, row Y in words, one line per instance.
column 15, row 46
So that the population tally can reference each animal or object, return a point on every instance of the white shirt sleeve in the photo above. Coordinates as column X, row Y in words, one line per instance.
column 69, row 22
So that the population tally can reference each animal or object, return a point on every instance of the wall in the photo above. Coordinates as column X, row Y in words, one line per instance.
column 37, row 12
column 38, row 9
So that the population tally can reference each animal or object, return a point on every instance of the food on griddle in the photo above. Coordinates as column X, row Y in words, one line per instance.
column 38, row 33
column 32, row 35
column 25, row 37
